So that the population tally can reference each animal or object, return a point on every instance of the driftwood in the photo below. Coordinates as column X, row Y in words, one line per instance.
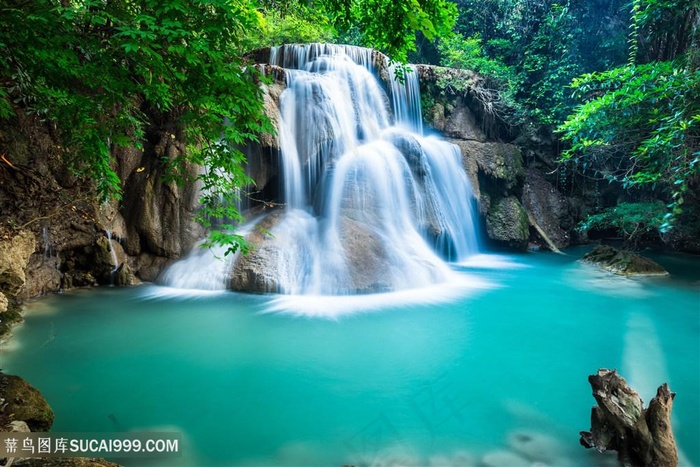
column 641, row 437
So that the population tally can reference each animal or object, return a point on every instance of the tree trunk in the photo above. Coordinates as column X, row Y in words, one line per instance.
column 641, row 437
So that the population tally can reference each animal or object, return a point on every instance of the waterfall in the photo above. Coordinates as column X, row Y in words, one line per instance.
column 113, row 254
column 351, row 169
column 371, row 203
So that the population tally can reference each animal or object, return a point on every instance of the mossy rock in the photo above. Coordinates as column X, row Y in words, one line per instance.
column 64, row 462
column 24, row 402
column 623, row 262
column 507, row 223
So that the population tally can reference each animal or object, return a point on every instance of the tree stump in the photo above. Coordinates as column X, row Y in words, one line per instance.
column 641, row 437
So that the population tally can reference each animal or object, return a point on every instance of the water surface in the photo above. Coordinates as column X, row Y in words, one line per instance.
column 494, row 371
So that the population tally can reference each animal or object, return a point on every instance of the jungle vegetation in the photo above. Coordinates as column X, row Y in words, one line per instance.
column 617, row 81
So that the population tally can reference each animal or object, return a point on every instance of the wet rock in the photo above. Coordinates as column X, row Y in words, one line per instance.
column 124, row 276
column 26, row 403
column 257, row 271
column 149, row 266
column 43, row 276
column 367, row 258
column 14, row 257
column 507, row 223
column 623, row 262
column 495, row 169
column 158, row 213
column 548, row 207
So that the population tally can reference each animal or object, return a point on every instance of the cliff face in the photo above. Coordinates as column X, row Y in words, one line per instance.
column 517, row 204
column 54, row 232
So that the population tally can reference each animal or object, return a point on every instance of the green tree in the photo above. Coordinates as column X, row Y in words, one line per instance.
column 639, row 124
column 102, row 71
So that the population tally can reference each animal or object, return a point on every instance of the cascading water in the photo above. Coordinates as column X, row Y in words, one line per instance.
column 349, row 172
column 371, row 204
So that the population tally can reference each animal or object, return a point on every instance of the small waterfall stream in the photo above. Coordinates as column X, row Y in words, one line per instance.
column 371, row 204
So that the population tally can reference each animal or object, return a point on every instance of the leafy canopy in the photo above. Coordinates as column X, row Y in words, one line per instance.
column 639, row 124
column 104, row 72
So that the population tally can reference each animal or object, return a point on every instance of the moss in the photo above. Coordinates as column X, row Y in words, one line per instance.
column 623, row 262
column 9, row 319
column 24, row 402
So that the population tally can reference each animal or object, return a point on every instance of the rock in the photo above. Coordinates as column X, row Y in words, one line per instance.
column 19, row 426
column 507, row 223
column 26, row 403
column 64, row 462
column 109, row 256
column 258, row 271
column 148, row 266
column 159, row 214
column 495, row 169
column 537, row 447
column 623, row 262
column 548, row 207
column 367, row 258
column 124, row 276
column 3, row 303
column 14, row 257
column 43, row 276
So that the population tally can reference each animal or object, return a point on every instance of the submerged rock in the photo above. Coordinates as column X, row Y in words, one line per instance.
column 623, row 262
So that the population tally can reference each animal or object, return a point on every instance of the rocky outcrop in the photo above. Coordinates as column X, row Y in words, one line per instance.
column 549, row 207
column 25, row 403
column 14, row 257
column 497, row 175
column 623, row 262
column 507, row 223
column 258, row 270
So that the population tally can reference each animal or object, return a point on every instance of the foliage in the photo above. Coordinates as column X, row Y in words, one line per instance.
column 102, row 71
column 639, row 124
column 495, row 91
column 391, row 25
column 544, row 44
column 634, row 221
column 293, row 23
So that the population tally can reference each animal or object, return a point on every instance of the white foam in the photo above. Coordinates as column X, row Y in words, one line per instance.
column 490, row 261
column 158, row 292
column 336, row 306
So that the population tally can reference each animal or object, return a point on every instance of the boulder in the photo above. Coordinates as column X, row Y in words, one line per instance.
column 507, row 223
column 26, row 403
column 43, row 276
column 623, row 262
column 63, row 462
column 548, row 207
column 14, row 257
column 258, row 271
column 495, row 168
column 3, row 303
column 367, row 258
